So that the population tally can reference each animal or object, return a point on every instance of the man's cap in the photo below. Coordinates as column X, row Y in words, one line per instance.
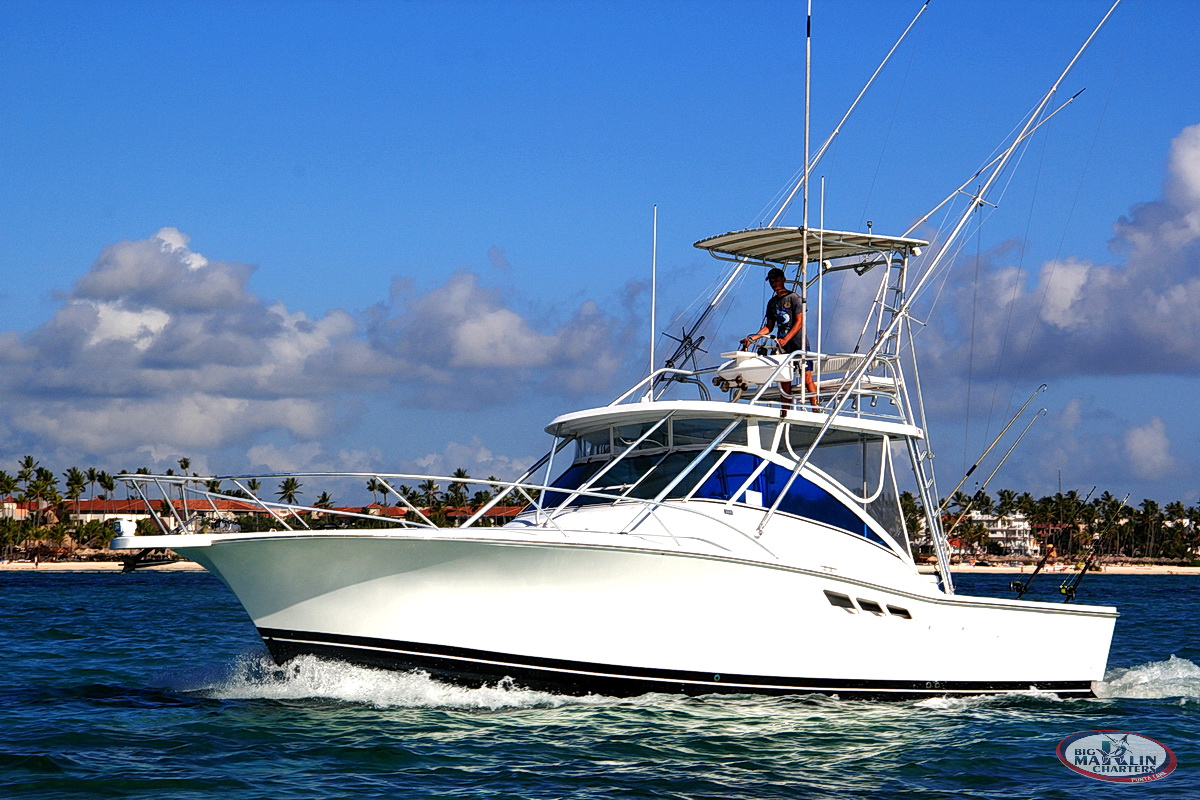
column 776, row 272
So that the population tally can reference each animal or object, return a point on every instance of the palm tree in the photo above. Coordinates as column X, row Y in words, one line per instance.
column 8, row 484
column 42, row 489
column 213, row 485
column 108, row 484
column 323, row 501
column 1006, row 502
column 92, row 476
column 373, row 488
column 914, row 516
column 1149, row 525
column 289, row 488
column 1175, row 530
column 456, row 495
column 430, row 493
column 27, row 468
column 184, row 463
column 76, row 483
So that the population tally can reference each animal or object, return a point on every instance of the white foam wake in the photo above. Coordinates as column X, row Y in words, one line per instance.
column 1175, row 677
column 308, row 677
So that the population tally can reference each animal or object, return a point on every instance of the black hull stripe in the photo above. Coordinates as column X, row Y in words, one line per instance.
column 477, row 667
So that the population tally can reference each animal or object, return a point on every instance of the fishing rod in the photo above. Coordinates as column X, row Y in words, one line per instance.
column 1021, row 588
column 988, row 479
column 999, row 436
column 1069, row 587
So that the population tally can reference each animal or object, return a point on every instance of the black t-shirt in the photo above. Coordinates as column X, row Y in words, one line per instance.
column 782, row 312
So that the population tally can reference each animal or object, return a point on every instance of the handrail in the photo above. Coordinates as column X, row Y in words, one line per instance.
column 182, row 481
column 661, row 371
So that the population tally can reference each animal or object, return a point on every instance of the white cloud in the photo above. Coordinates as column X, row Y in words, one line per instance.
column 475, row 458
column 136, row 327
column 461, row 345
column 1149, row 450
column 272, row 458
column 1138, row 315
column 158, row 351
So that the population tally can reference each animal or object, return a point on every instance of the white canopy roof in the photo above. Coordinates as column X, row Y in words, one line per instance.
column 787, row 245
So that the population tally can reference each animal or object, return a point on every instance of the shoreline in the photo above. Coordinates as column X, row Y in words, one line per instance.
column 1105, row 569
column 191, row 566
column 96, row 566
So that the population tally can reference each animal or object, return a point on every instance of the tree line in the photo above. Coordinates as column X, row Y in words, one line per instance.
column 1072, row 524
column 53, row 521
column 1065, row 520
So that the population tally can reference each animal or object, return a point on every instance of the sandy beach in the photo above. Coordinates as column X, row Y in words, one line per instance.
column 1115, row 569
column 190, row 566
column 95, row 566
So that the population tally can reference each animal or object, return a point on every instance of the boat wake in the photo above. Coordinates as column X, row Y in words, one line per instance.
column 1175, row 677
column 257, row 677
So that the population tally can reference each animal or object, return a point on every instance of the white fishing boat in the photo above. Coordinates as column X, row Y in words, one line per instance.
column 704, row 532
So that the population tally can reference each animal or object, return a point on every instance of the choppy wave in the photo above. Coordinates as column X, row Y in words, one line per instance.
column 1175, row 677
column 309, row 677
column 312, row 678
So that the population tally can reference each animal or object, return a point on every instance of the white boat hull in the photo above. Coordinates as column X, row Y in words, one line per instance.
column 628, row 620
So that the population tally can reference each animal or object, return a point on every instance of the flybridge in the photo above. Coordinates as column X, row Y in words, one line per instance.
column 790, row 245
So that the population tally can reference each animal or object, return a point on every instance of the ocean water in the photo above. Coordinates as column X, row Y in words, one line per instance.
column 155, row 685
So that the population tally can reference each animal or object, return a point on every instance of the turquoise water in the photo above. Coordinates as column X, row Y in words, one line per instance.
column 155, row 685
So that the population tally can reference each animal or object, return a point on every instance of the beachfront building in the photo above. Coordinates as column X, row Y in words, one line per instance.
column 11, row 509
column 1011, row 534
column 983, row 534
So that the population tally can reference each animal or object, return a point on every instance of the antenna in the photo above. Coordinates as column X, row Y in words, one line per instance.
column 807, row 100
column 653, row 288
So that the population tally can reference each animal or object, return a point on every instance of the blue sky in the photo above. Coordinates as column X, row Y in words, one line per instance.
column 310, row 235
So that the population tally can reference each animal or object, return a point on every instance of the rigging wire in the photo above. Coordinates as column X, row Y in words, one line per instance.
column 971, row 347
column 1074, row 202
column 1012, row 303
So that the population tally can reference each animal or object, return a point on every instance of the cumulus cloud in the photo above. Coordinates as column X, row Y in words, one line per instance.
column 158, row 351
column 477, row 459
column 1138, row 315
column 462, row 346
column 1149, row 450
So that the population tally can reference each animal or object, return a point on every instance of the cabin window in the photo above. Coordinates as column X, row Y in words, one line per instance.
column 704, row 431
column 897, row 611
column 572, row 479
column 856, row 461
column 625, row 435
column 766, row 435
column 652, row 485
column 804, row 498
column 642, row 477
column 591, row 444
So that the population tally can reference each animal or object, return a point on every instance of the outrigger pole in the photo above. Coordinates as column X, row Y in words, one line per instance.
column 690, row 340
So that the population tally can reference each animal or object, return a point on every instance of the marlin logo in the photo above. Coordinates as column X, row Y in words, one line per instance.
column 1112, row 748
